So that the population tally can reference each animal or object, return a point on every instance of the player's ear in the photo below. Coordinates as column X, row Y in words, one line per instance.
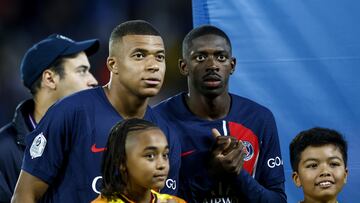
column 296, row 179
column 111, row 65
column 183, row 67
column 233, row 64
column 49, row 79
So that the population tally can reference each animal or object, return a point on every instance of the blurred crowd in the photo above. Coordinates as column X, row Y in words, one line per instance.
column 23, row 23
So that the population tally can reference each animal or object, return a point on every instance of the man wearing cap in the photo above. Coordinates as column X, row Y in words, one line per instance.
column 51, row 69
column 62, row 160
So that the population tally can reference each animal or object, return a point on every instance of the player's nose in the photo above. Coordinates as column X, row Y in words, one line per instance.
column 92, row 81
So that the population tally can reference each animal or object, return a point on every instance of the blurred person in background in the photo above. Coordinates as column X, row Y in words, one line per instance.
column 51, row 69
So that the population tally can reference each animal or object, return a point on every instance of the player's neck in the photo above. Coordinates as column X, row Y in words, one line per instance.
column 209, row 108
column 127, row 105
column 42, row 101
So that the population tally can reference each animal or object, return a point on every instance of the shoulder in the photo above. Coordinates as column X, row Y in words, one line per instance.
column 167, row 197
column 7, row 137
column 169, row 102
column 82, row 97
column 83, row 100
column 7, row 130
column 250, row 106
column 171, row 107
column 100, row 199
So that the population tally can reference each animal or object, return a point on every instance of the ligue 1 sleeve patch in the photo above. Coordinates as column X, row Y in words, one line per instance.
column 38, row 146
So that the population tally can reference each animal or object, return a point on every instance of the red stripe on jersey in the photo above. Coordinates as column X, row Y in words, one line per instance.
column 251, row 142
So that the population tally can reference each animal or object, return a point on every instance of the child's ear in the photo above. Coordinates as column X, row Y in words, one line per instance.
column 296, row 179
column 346, row 174
column 122, row 168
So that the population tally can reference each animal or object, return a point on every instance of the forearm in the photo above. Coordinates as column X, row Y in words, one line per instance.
column 255, row 192
column 28, row 188
column 19, row 197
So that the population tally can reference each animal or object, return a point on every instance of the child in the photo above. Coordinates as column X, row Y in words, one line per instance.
column 318, row 158
column 135, row 164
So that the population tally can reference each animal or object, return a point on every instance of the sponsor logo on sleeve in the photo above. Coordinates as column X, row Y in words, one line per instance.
column 38, row 146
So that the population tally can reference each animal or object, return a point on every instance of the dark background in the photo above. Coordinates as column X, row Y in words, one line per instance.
column 25, row 22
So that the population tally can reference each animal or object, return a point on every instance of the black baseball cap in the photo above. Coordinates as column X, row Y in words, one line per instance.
column 40, row 56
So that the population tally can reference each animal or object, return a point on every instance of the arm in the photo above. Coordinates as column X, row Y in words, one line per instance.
column 28, row 188
column 5, row 194
column 257, row 192
column 268, row 184
column 172, row 181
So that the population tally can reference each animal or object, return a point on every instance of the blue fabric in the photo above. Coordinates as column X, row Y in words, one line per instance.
column 73, row 134
column 247, row 121
column 12, row 146
column 301, row 59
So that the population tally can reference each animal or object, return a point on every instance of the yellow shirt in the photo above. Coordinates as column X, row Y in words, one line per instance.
column 156, row 198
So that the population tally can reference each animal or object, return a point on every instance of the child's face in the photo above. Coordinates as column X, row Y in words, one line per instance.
column 147, row 161
column 321, row 173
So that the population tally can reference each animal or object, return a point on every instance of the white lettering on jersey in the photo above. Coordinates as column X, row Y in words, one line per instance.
column 93, row 184
column 218, row 200
column 273, row 162
column 171, row 184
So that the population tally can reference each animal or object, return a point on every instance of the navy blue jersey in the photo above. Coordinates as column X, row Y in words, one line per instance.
column 262, row 177
column 65, row 150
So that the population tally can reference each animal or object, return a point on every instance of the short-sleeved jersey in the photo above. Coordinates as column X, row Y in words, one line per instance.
column 66, row 148
column 261, row 178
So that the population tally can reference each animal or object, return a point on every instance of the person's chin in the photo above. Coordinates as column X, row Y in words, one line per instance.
column 158, row 186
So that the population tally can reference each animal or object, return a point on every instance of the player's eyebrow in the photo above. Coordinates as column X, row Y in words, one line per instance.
column 146, row 51
column 149, row 148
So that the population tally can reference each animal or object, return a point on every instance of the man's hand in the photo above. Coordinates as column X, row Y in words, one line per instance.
column 227, row 154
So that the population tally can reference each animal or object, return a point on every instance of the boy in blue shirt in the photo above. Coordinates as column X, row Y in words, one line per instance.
column 318, row 158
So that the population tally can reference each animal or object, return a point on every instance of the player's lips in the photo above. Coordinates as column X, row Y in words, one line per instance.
column 153, row 81
column 212, row 77
column 212, row 80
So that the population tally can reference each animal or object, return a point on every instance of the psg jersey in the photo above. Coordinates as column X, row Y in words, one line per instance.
column 66, row 148
column 247, row 121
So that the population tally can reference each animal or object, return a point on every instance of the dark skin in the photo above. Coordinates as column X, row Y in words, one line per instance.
column 208, row 64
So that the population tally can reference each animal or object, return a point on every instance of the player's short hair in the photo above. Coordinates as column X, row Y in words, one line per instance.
column 316, row 137
column 114, row 181
column 201, row 31
column 132, row 27
column 58, row 67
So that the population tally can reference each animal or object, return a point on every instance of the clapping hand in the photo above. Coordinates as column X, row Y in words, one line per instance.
column 227, row 154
